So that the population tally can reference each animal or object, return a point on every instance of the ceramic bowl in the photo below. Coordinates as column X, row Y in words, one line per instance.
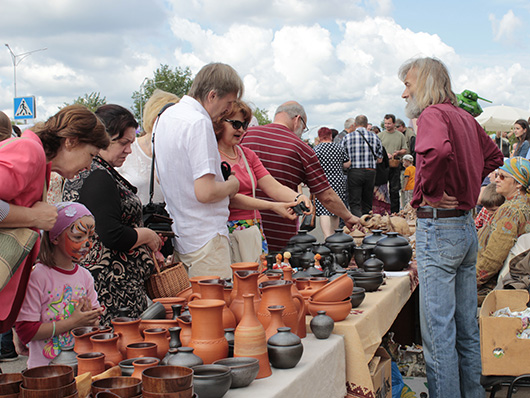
column 243, row 369
column 63, row 391
column 336, row 290
column 357, row 296
column 154, row 311
column 127, row 367
column 126, row 387
column 370, row 281
column 47, row 377
column 211, row 381
column 164, row 379
column 337, row 310
column 10, row 383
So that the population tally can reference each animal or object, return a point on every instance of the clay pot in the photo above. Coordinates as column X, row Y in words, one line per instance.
column 207, row 333
column 121, row 385
column 394, row 250
column 82, row 338
column 213, row 289
column 211, row 381
column 157, row 323
column 371, row 240
column 185, row 293
column 357, row 296
column 285, row 349
column 361, row 254
column 370, row 281
column 243, row 370
column 279, row 293
column 337, row 310
column 276, row 320
column 322, row 325
column 195, row 283
column 143, row 363
column 154, row 311
column 160, row 337
column 68, row 357
column 177, row 310
column 10, row 383
column 184, row 321
column 229, row 336
column 247, row 283
column 167, row 379
column 301, row 328
column 128, row 330
column 274, row 276
column 93, row 362
column 303, row 240
column 174, row 337
column 373, row 264
column 317, row 282
column 302, row 283
column 107, row 343
column 167, row 302
column 249, row 339
column 140, row 350
column 184, row 356
column 336, row 290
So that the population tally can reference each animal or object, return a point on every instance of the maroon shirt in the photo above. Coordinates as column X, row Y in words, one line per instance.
column 454, row 155
column 290, row 161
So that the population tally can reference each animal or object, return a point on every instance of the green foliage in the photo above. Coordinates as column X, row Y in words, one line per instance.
column 92, row 101
column 176, row 81
column 263, row 116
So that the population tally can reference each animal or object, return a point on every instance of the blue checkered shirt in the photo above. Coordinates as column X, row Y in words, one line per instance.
column 359, row 152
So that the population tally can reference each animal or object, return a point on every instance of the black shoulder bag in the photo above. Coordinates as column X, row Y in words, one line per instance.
column 381, row 169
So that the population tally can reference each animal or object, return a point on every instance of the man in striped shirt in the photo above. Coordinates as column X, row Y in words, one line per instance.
column 291, row 162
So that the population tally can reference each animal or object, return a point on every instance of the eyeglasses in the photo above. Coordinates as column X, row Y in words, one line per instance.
column 305, row 130
column 237, row 124
column 501, row 176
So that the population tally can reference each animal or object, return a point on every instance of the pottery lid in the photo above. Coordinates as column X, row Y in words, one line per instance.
column 377, row 235
column 339, row 237
column 373, row 261
column 302, row 237
column 393, row 239
column 320, row 248
column 284, row 338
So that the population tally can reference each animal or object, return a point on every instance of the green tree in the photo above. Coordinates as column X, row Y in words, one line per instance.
column 263, row 116
column 92, row 101
column 176, row 81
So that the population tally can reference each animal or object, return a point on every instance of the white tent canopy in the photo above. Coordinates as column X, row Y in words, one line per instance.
column 501, row 118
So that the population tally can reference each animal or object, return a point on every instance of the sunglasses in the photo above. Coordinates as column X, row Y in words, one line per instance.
column 501, row 176
column 237, row 124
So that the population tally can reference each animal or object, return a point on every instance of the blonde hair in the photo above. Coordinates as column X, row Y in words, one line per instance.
column 158, row 99
column 433, row 83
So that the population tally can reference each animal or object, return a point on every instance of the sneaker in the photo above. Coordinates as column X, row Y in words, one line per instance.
column 8, row 356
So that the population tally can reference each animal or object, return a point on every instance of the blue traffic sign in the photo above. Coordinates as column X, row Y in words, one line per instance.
column 25, row 108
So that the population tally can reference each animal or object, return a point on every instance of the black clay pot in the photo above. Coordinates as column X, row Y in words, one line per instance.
column 322, row 325
column 174, row 337
column 357, row 296
column 211, row 381
column 183, row 356
column 337, row 273
column 373, row 264
column 394, row 251
column 361, row 254
column 370, row 281
column 230, row 336
column 285, row 349
column 307, row 259
column 303, row 240
column 371, row 240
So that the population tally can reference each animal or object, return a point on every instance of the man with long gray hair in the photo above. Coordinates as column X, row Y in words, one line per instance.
column 454, row 155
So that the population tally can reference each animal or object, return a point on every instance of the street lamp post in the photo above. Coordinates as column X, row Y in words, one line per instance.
column 17, row 59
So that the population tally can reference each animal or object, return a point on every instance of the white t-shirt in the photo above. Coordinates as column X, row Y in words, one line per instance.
column 186, row 149
column 137, row 170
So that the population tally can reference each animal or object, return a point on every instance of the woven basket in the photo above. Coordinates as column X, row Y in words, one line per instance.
column 168, row 281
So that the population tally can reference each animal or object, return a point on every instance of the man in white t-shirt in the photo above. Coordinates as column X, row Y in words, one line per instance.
column 189, row 170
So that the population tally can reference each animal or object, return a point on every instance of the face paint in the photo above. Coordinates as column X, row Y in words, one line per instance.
column 77, row 240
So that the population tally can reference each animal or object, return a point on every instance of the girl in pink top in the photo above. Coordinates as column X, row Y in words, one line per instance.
column 60, row 295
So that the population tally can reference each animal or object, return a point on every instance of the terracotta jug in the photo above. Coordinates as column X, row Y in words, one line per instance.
column 207, row 333
column 140, row 350
column 212, row 289
column 245, row 266
column 93, row 362
column 301, row 329
column 276, row 320
column 143, row 363
column 279, row 293
column 184, row 321
column 195, row 283
column 247, row 282
column 159, row 336
column 129, row 332
column 250, row 340
column 82, row 338
column 108, row 344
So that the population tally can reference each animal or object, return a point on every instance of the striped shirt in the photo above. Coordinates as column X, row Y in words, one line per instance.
column 358, row 150
column 290, row 161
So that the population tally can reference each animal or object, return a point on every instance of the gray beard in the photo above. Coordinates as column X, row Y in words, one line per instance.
column 412, row 111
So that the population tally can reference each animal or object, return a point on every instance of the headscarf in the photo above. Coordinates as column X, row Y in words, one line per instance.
column 518, row 168
column 67, row 214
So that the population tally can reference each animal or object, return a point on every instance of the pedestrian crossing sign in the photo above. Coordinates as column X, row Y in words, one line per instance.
column 25, row 108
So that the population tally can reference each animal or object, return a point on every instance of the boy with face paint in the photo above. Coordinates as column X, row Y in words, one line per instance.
column 60, row 294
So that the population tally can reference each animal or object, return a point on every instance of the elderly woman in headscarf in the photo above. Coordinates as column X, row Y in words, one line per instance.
column 511, row 220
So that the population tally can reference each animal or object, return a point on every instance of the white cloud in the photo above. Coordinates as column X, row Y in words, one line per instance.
column 505, row 30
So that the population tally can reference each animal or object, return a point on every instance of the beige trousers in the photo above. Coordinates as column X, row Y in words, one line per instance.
column 211, row 259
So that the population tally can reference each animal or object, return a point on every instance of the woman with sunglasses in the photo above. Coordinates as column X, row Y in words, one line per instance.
column 510, row 221
column 252, row 175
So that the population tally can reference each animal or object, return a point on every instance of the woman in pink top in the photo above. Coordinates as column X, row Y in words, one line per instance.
column 244, row 207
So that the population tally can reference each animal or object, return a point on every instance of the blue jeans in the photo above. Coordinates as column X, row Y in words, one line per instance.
column 446, row 251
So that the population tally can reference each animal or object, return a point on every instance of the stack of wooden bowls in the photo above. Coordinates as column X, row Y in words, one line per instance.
column 51, row 381
column 123, row 386
column 167, row 382
column 10, row 385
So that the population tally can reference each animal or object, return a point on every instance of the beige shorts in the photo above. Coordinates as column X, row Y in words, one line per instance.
column 211, row 259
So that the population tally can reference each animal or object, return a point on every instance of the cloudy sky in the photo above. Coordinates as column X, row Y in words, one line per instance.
column 338, row 58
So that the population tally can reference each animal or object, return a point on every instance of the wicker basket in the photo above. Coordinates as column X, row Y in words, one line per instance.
column 168, row 281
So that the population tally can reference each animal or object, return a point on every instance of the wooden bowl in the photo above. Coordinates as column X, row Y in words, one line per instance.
column 336, row 290
column 187, row 393
column 63, row 391
column 337, row 310
column 47, row 377
column 125, row 387
column 165, row 379
column 10, row 383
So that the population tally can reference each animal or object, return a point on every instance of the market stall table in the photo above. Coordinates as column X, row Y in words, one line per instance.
column 320, row 373
column 364, row 328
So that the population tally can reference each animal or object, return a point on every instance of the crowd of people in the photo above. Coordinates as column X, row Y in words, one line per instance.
column 231, row 188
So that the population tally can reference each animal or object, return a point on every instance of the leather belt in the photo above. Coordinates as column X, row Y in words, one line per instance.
column 429, row 212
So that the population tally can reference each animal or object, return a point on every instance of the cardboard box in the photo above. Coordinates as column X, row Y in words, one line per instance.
column 503, row 354
column 381, row 374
